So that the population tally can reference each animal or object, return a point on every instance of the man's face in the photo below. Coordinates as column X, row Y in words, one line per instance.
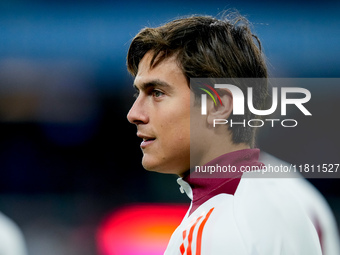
column 161, row 113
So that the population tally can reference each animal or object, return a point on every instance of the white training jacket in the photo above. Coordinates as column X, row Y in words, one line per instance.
column 314, row 204
column 242, row 216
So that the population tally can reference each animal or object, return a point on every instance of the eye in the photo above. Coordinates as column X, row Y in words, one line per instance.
column 157, row 93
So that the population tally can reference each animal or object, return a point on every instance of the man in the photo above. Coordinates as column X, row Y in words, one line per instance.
column 230, row 214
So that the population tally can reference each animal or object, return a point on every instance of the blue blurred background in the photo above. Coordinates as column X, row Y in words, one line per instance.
column 68, row 156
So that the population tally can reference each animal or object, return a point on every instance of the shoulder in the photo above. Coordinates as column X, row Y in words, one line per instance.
column 268, row 212
column 263, row 217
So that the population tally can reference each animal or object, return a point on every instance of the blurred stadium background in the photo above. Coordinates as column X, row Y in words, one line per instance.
column 68, row 156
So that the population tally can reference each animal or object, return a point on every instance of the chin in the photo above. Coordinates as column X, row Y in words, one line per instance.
column 159, row 167
column 150, row 165
column 156, row 168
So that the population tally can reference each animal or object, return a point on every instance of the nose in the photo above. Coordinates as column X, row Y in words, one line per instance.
column 137, row 114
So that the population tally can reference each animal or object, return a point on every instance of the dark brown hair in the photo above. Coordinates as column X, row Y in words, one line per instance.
column 210, row 48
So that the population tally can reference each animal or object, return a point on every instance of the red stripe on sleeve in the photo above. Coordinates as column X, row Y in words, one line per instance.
column 182, row 247
column 200, row 232
column 189, row 252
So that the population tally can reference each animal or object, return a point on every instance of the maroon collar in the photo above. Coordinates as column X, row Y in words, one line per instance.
column 205, row 185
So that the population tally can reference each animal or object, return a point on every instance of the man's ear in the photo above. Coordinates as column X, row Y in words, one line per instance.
column 218, row 110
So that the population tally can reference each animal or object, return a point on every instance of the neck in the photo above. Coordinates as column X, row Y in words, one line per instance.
column 214, row 152
column 204, row 185
column 219, row 149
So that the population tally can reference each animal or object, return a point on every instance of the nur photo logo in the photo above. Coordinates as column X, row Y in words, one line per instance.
column 204, row 98
column 240, row 102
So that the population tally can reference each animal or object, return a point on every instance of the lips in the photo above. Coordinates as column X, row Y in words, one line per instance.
column 147, row 140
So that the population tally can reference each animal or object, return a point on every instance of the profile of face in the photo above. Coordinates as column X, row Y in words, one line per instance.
column 161, row 113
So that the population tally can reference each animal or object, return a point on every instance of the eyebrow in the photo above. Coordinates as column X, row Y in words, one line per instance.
column 153, row 84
